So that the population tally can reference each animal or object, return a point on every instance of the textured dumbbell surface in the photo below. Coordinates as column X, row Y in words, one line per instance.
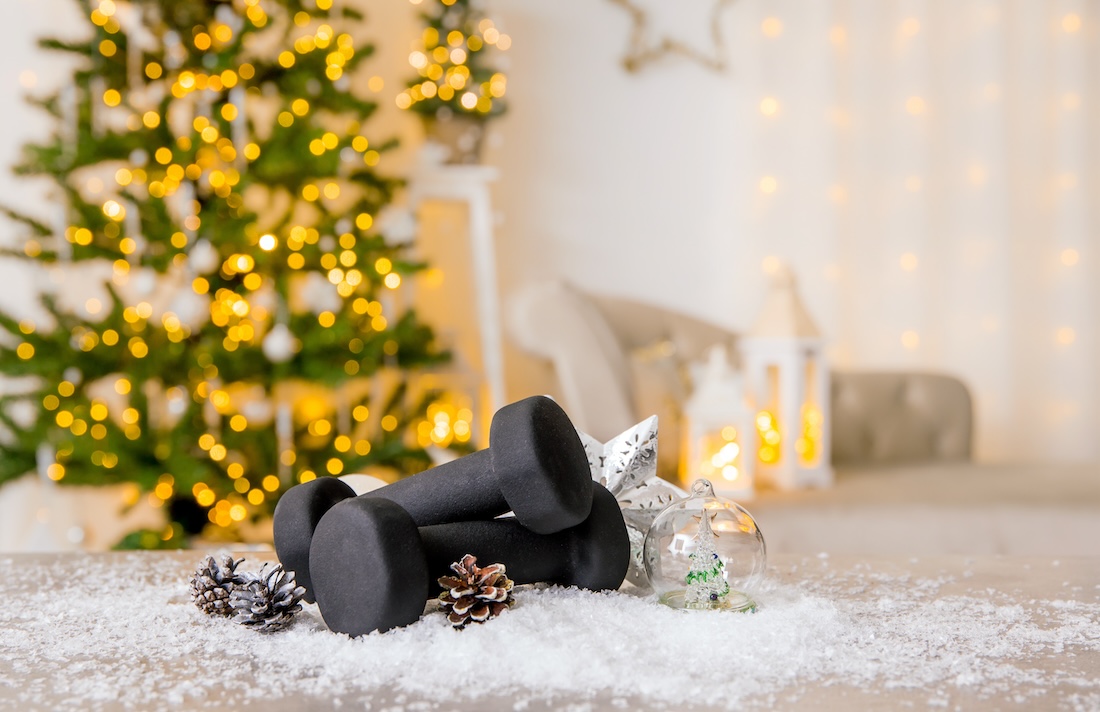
column 535, row 466
column 296, row 516
column 374, row 569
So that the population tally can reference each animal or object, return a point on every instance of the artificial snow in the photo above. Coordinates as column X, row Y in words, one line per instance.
column 120, row 632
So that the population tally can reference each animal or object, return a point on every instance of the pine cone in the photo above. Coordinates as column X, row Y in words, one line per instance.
column 267, row 601
column 212, row 583
column 477, row 593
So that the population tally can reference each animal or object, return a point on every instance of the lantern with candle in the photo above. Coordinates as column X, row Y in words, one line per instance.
column 787, row 382
column 719, row 429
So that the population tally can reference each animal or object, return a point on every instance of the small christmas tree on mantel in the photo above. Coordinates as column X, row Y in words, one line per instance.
column 457, row 91
column 210, row 162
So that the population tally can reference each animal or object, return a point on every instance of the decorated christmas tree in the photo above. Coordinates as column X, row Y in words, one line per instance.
column 242, row 328
column 705, row 581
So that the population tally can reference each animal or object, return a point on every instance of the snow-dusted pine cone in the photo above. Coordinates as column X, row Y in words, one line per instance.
column 212, row 583
column 267, row 601
column 477, row 593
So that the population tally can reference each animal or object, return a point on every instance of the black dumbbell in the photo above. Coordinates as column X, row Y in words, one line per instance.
column 535, row 466
column 296, row 516
column 373, row 569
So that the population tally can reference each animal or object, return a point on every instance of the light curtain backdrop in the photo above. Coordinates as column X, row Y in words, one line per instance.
column 929, row 169
column 964, row 192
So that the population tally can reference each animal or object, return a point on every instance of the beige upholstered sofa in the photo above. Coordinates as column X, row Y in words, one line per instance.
column 901, row 442
column 618, row 361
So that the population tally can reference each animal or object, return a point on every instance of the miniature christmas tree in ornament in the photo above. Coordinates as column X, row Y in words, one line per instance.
column 706, row 582
column 705, row 552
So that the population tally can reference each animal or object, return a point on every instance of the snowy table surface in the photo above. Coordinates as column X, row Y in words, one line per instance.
column 117, row 631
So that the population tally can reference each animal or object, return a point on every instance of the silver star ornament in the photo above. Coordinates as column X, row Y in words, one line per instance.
column 627, row 466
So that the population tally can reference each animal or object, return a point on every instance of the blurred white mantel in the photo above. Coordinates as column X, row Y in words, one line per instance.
column 463, row 249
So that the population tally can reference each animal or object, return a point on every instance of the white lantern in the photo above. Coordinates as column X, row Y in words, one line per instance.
column 787, row 383
column 719, row 430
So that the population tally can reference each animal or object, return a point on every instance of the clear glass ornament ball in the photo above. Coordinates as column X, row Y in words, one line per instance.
column 705, row 552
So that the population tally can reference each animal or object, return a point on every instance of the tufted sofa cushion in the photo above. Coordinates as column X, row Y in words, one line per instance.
column 894, row 418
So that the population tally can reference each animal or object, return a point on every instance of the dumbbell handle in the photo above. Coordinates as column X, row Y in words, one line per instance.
column 592, row 555
column 462, row 489
column 502, row 541
column 535, row 466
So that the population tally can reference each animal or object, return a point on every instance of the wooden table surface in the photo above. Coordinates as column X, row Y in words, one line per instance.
column 116, row 631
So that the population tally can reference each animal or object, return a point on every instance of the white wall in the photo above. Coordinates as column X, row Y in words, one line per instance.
column 648, row 185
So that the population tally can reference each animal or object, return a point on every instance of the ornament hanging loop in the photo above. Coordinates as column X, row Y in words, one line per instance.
column 702, row 488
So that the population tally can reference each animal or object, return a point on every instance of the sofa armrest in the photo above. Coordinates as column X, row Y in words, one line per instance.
column 555, row 321
column 893, row 418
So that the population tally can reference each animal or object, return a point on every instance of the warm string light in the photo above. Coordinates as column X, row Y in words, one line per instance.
column 767, row 428
column 75, row 416
column 721, row 455
column 808, row 445
column 771, row 27
column 976, row 174
column 445, row 424
column 213, row 154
